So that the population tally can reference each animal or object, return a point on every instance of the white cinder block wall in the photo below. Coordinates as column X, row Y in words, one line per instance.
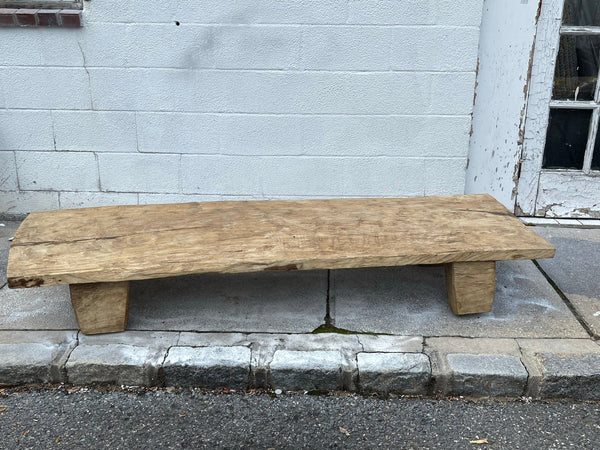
column 216, row 99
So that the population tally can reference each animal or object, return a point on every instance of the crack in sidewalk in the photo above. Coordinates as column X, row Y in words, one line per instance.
column 567, row 302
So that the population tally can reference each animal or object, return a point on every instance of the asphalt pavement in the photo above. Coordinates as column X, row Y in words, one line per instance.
column 157, row 418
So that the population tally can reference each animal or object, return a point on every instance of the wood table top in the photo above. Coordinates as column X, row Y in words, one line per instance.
column 118, row 243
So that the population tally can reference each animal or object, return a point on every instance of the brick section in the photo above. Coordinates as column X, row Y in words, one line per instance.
column 26, row 17
column 48, row 18
column 7, row 17
column 70, row 18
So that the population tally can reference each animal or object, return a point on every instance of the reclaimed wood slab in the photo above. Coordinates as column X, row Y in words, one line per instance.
column 121, row 243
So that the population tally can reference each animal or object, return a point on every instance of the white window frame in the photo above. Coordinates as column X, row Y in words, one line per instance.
column 554, row 192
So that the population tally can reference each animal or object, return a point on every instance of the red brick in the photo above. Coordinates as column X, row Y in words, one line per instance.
column 71, row 18
column 7, row 18
column 48, row 18
column 26, row 17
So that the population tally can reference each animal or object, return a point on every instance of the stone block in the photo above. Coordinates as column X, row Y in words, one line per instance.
column 34, row 357
column 121, row 364
column 210, row 367
column 405, row 373
column 306, row 370
column 490, row 375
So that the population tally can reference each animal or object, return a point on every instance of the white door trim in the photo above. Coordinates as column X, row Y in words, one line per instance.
column 538, row 105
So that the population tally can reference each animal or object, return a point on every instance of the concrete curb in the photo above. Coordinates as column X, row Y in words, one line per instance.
column 412, row 365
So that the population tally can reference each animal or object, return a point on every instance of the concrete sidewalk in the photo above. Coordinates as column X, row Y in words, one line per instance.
column 366, row 330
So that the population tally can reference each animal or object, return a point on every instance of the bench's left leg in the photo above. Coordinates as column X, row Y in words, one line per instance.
column 101, row 307
column 471, row 286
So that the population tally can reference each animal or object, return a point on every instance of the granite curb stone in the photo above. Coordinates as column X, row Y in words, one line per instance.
column 562, row 368
column 306, row 370
column 537, row 368
column 487, row 375
column 210, row 367
column 130, row 358
column 34, row 357
column 406, row 373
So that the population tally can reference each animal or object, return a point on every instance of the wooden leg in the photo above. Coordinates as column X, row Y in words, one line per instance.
column 101, row 307
column 471, row 286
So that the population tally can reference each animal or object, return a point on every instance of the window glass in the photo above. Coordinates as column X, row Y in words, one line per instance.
column 596, row 155
column 566, row 138
column 576, row 70
column 581, row 13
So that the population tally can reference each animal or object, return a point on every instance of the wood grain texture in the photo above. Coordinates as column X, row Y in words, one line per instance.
column 471, row 286
column 118, row 243
column 101, row 307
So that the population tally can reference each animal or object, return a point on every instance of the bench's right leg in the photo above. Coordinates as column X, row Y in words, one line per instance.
column 471, row 286
column 101, row 307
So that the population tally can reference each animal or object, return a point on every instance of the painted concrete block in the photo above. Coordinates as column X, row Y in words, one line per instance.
column 346, row 48
column 51, row 88
column 26, row 130
column 178, row 133
column 56, row 171
column 95, row 131
column 8, row 172
column 13, row 203
column 69, row 200
column 302, row 176
column 129, row 172
column 434, row 48
column 256, row 47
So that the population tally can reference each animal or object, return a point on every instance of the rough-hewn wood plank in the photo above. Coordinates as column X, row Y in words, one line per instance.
column 471, row 286
column 101, row 307
column 151, row 241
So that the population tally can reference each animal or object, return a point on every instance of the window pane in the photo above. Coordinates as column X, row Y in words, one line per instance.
column 576, row 69
column 566, row 138
column 596, row 155
column 581, row 12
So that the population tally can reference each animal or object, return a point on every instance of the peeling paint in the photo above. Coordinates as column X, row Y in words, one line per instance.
column 503, row 71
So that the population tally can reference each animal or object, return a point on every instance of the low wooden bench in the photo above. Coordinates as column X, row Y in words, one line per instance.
column 97, row 251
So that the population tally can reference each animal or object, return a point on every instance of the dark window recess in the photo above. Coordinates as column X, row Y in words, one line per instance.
column 576, row 70
column 566, row 138
column 581, row 13
column 596, row 155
